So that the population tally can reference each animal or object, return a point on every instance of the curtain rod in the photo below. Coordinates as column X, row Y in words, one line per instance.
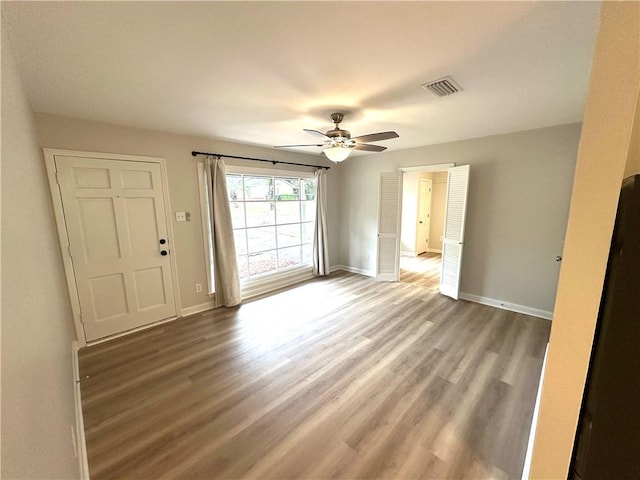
column 194, row 153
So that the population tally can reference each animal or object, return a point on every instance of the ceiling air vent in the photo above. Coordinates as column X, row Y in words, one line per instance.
column 442, row 87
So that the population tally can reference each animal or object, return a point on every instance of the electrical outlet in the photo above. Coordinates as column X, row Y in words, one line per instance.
column 198, row 288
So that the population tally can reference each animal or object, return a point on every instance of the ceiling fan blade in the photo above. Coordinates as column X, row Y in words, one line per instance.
column 316, row 133
column 376, row 137
column 306, row 145
column 369, row 148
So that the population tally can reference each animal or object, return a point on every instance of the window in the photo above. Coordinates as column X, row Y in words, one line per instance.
column 273, row 221
column 273, row 215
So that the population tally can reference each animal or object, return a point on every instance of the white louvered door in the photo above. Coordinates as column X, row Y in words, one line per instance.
column 389, row 209
column 453, row 237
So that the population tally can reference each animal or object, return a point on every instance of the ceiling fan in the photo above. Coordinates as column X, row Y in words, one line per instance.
column 338, row 143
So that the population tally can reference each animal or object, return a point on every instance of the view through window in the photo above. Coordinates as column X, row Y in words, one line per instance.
column 273, row 220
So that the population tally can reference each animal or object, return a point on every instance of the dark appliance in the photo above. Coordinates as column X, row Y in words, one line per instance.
column 607, row 442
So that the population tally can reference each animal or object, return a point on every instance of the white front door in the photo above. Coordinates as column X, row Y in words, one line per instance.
column 389, row 215
column 424, row 215
column 453, row 236
column 116, row 225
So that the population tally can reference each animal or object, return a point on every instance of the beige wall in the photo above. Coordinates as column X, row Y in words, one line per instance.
column 633, row 157
column 37, row 330
column 73, row 134
column 438, row 198
column 517, row 211
column 605, row 142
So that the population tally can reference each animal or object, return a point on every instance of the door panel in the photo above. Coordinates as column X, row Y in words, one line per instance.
column 115, row 217
column 142, row 225
column 149, row 283
column 453, row 235
column 389, row 216
column 108, row 296
column 136, row 179
column 97, row 220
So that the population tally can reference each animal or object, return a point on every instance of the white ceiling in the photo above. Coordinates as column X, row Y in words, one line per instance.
column 260, row 72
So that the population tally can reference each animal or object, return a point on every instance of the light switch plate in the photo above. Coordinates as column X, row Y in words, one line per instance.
column 181, row 216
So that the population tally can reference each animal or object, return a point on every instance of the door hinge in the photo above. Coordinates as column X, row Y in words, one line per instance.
column 57, row 178
column 69, row 250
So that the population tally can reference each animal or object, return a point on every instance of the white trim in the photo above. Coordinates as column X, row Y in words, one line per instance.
column 513, row 307
column 58, row 213
column 56, row 197
column 192, row 310
column 359, row 271
column 274, row 282
column 534, row 421
column 436, row 167
column 434, row 250
column 173, row 258
column 81, row 442
column 129, row 332
column 407, row 253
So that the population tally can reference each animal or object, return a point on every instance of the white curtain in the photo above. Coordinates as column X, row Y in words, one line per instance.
column 320, row 244
column 226, row 279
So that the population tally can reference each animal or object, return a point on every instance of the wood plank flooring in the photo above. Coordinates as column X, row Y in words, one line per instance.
column 339, row 377
column 423, row 270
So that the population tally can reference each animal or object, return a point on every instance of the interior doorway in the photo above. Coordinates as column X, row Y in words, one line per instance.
column 423, row 211
column 390, row 213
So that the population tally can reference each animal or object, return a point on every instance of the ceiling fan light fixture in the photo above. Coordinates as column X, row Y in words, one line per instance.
column 337, row 153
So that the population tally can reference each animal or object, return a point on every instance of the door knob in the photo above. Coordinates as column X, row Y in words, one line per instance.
column 162, row 241
column 558, row 258
column 164, row 253
column 420, row 221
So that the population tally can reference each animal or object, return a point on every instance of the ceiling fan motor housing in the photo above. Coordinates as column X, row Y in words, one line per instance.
column 337, row 133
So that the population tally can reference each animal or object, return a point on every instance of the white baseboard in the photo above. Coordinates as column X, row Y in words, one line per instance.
column 513, row 307
column 407, row 253
column 80, row 440
column 434, row 250
column 192, row 310
column 534, row 421
column 359, row 271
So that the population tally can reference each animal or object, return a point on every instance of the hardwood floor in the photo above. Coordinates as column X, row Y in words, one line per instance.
column 423, row 270
column 340, row 377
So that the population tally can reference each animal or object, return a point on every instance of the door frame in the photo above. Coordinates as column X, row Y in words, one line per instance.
column 434, row 167
column 58, row 211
